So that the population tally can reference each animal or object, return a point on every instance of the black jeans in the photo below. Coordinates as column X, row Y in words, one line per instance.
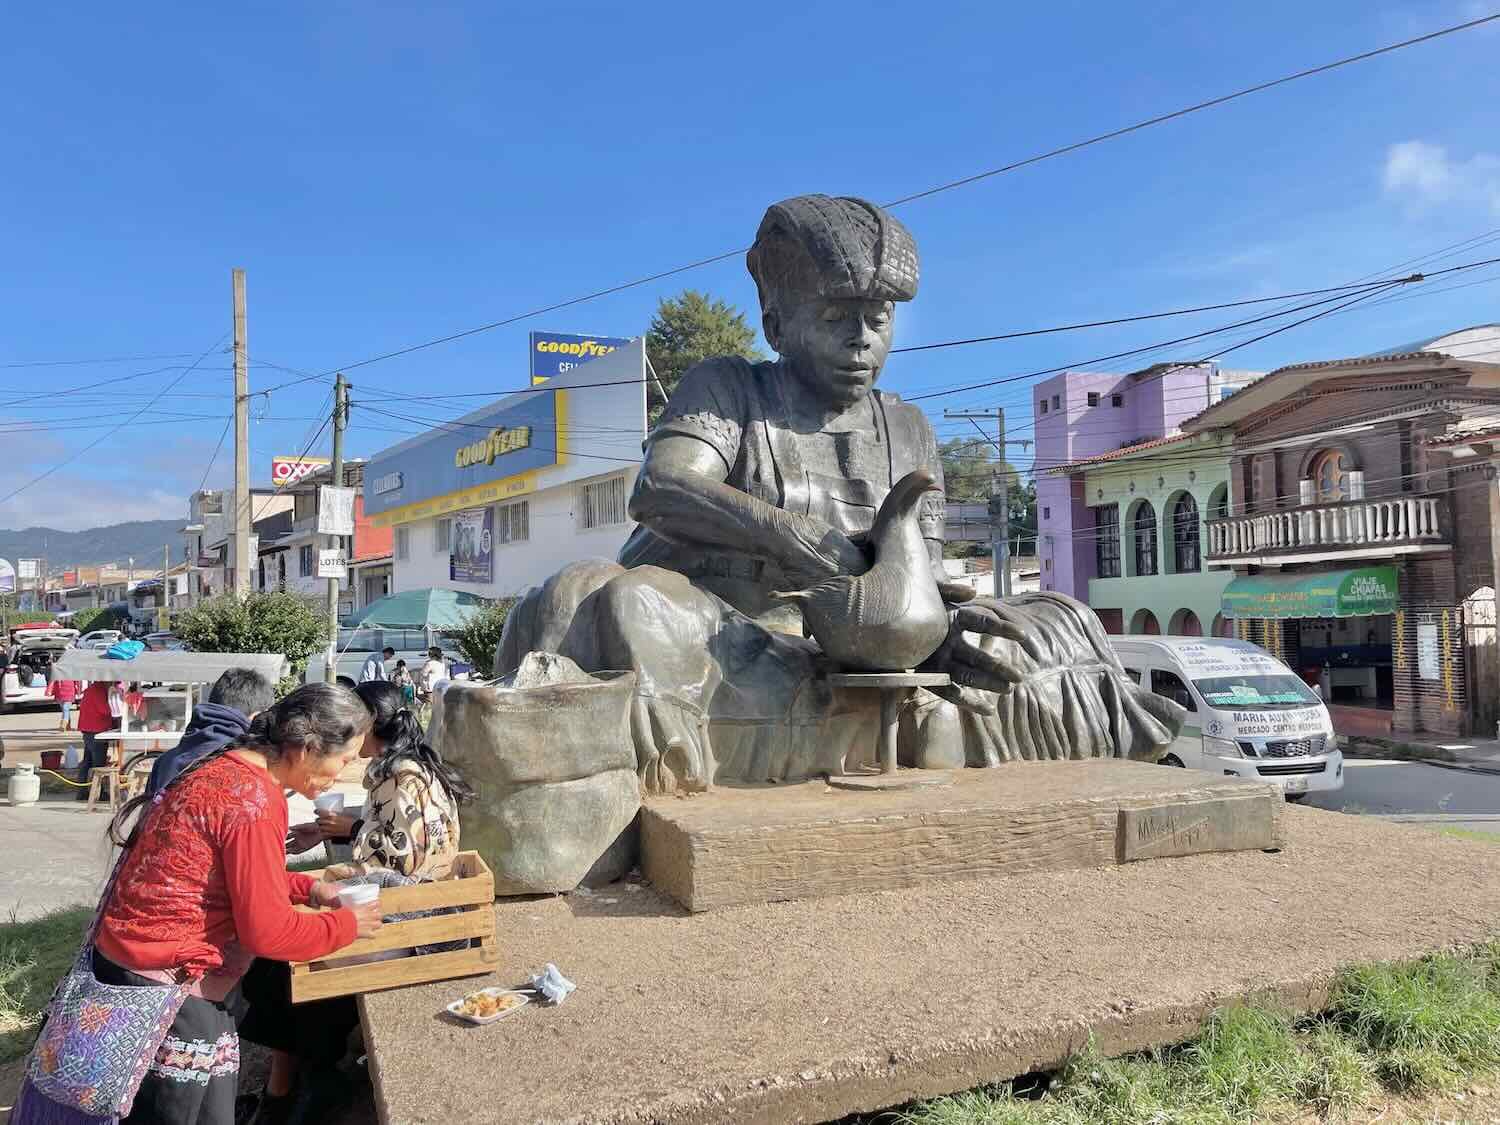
column 95, row 754
column 316, row 1032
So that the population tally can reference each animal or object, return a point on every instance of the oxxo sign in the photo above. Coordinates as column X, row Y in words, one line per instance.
column 290, row 470
column 498, row 442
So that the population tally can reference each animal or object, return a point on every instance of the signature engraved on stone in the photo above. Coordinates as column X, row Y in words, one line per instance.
column 1163, row 830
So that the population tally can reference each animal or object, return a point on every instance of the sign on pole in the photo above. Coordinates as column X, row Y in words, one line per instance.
column 28, row 569
column 335, row 510
column 7, row 578
column 332, row 563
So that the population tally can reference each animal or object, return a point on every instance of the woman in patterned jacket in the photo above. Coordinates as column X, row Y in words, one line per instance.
column 407, row 833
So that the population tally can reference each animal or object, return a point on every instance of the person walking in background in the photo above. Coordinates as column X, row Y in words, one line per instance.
column 374, row 667
column 66, row 692
column 233, row 702
column 95, row 716
column 402, row 679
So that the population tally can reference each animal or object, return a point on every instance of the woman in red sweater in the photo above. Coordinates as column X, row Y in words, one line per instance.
column 203, row 889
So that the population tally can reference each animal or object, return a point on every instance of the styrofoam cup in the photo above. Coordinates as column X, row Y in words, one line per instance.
column 359, row 895
column 330, row 802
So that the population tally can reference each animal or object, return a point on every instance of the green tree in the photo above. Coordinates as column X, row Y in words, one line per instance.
column 479, row 639
column 294, row 626
column 690, row 328
column 970, row 466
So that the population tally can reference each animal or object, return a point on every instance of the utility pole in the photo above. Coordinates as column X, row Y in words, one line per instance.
column 999, row 499
column 340, row 421
column 241, row 558
column 166, row 590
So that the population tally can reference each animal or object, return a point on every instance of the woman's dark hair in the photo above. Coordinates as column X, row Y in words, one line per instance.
column 318, row 719
column 397, row 727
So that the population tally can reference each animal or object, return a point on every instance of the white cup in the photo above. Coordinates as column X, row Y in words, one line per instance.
column 359, row 895
column 330, row 802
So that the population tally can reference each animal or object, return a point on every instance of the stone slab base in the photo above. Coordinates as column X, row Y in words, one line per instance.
column 807, row 1011
column 736, row 846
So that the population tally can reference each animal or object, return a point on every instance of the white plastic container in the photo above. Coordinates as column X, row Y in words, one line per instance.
column 359, row 895
column 330, row 802
column 457, row 1007
column 25, row 786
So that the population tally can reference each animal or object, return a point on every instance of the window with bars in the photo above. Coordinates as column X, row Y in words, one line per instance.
column 307, row 561
column 513, row 522
column 1093, row 398
column 442, row 537
column 601, row 503
column 1185, row 553
column 1144, row 538
column 402, row 545
column 1107, row 541
column 1117, row 400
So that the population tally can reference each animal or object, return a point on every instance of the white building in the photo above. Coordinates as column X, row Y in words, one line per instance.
column 497, row 501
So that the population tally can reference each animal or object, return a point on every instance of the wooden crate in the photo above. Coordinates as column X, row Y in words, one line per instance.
column 471, row 888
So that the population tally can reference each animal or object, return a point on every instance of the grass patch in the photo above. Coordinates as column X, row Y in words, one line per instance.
column 33, row 957
column 1417, row 1028
column 1471, row 834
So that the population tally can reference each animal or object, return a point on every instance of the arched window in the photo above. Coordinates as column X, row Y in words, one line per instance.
column 1144, row 624
column 1223, row 626
column 281, row 571
column 1329, row 473
column 1185, row 623
column 1218, row 503
column 1184, row 515
column 1143, row 538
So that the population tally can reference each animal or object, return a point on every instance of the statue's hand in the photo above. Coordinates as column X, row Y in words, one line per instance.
column 818, row 552
column 984, row 667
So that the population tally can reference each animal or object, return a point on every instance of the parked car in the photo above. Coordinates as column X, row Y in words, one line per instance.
column 26, row 663
column 1249, row 714
column 164, row 642
column 355, row 646
column 99, row 639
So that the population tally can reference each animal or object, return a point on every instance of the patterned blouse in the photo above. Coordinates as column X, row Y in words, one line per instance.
column 410, row 826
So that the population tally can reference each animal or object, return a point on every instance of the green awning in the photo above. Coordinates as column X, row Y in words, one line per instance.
column 1333, row 593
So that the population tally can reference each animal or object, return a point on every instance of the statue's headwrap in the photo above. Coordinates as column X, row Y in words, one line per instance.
column 817, row 245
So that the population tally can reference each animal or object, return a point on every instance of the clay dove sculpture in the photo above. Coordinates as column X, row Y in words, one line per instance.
column 891, row 617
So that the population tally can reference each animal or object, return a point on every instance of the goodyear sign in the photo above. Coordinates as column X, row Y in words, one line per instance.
column 552, row 353
column 487, row 457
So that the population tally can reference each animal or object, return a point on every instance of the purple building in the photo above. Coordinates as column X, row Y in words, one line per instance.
column 1082, row 414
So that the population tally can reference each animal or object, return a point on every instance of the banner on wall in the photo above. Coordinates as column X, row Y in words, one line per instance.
column 473, row 551
column 552, row 353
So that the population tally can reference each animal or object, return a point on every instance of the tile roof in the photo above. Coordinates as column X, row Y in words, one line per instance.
column 1114, row 454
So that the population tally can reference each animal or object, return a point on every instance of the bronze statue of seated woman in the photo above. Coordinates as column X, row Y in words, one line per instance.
column 762, row 481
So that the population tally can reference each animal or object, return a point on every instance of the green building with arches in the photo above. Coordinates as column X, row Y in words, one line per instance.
column 1149, row 503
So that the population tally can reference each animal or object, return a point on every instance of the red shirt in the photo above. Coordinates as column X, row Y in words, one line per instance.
column 206, row 888
column 64, row 691
column 93, row 712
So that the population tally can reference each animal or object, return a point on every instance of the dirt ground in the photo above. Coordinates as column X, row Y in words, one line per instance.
column 807, row 1011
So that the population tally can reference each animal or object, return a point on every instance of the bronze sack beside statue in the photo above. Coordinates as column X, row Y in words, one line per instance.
column 761, row 485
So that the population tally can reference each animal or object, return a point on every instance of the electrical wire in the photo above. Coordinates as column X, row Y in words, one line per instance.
column 102, row 437
column 939, row 188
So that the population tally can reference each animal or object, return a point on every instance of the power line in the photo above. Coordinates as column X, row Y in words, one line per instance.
column 224, row 433
column 92, row 362
column 949, row 186
column 98, row 440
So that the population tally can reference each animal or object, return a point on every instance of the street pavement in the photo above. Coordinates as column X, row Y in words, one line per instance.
column 1417, row 793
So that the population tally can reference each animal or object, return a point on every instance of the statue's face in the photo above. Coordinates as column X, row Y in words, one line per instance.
column 835, row 346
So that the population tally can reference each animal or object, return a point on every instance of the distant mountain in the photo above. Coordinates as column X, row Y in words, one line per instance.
column 141, row 540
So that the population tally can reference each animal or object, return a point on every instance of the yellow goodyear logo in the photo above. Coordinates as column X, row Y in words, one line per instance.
column 498, row 442
column 585, row 348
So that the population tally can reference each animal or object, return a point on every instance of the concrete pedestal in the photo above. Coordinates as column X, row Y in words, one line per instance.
column 736, row 846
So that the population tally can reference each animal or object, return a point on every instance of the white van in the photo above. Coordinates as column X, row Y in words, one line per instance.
column 1249, row 714
column 26, row 663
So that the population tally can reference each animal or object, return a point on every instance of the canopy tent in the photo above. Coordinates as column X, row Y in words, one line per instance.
column 430, row 608
column 1356, row 592
column 165, row 667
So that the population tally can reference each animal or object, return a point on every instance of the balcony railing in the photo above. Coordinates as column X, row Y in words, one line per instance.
column 1331, row 528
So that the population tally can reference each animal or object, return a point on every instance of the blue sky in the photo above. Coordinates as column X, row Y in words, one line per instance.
column 389, row 173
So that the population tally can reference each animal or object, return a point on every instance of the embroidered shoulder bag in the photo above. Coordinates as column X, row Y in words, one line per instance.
column 98, row 1041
